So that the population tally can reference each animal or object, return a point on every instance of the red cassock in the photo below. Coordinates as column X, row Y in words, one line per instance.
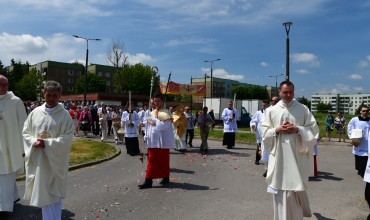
column 158, row 163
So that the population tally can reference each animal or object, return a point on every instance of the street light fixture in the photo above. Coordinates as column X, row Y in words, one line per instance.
column 276, row 82
column 87, row 58
column 212, row 74
column 287, row 29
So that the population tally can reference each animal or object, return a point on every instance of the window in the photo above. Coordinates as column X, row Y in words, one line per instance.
column 114, row 91
column 70, row 72
column 100, row 74
column 70, row 88
column 108, row 91
column 107, row 74
column 70, row 80
column 78, row 73
column 108, row 82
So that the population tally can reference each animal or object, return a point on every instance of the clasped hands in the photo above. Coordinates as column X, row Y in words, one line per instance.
column 287, row 128
column 39, row 143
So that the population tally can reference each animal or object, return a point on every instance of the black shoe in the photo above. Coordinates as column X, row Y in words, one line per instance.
column 165, row 181
column 132, row 154
column 257, row 162
column 190, row 145
column 206, row 150
column 228, row 147
column 176, row 149
column 148, row 183
column 17, row 200
column 265, row 174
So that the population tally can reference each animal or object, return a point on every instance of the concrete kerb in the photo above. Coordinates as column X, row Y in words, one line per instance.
column 83, row 165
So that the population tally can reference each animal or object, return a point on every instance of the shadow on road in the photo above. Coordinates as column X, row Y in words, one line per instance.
column 175, row 170
column 186, row 186
column 320, row 217
column 324, row 175
column 26, row 212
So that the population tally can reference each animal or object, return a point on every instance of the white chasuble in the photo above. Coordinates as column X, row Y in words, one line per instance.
column 47, row 168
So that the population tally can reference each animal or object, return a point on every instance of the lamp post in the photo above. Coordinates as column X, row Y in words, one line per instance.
column 276, row 81
column 287, row 29
column 211, row 75
column 87, row 58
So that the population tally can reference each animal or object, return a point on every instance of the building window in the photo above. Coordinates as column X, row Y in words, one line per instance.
column 107, row 74
column 70, row 88
column 108, row 90
column 108, row 82
column 70, row 80
column 100, row 74
column 70, row 72
column 78, row 73
column 114, row 91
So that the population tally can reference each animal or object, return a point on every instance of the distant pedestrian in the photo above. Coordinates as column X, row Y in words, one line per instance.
column 204, row 121
column 190, row 127
column 329, row 121
column 340, row 126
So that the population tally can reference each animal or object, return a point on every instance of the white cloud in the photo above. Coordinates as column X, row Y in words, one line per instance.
column 264, row 64
column 362, row 64
column 308, row 58
column 22, row 44
column 174, row 43
column 368, row 57
column 221, row 73
column 208, row 50
column 139, row 58
column 336, row 89
column 355, row 76
column 302, row 71
column 358, row 89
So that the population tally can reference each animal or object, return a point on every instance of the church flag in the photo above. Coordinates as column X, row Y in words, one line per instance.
column 183, row 89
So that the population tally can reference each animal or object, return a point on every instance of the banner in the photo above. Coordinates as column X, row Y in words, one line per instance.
column 183, row 89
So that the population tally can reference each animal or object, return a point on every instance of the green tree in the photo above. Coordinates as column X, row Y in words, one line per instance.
column 242, row 92
column 137, row 78
column 94, row 84
column 2, row 69
column 30, row 86
column 359, row 108
column 323, row 108
column 17, row 73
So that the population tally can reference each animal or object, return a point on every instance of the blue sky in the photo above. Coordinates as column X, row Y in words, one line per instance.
column 329, row 39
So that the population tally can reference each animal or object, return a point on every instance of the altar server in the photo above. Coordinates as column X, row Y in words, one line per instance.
column 229, row 116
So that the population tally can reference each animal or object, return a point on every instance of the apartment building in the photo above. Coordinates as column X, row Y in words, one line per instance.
column 345, row 103
column 106, row 73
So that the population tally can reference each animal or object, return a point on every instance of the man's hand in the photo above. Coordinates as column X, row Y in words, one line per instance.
column 287, row 128
column 253, row 127
column 39, row 144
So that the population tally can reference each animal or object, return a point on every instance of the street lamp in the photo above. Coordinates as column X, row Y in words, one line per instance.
column 87, row 58
column 276, row 82
column 287, row 29
column 211, row 75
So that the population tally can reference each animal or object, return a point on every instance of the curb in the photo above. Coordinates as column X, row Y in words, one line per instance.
column 83, row 165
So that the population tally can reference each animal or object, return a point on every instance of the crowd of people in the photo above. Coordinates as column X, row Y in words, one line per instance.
column 286, row 131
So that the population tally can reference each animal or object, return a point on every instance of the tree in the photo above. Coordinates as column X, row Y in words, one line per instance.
column 323, row 108
column 359, row 108
column 2, row 69
column 119, row 61
column 250, row 92
column 30, row 86
column 78, row 63
column 137, row 79
column 17, row 73
column 94, row 83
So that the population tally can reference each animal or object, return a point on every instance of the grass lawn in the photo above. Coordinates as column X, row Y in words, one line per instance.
column 320, row 117
column 84, row 151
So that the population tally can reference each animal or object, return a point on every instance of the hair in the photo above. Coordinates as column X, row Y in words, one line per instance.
column 365, row 106
column 159, row 95
column 275, row 97
column 266, row 101
column 104, row 110
column 2, row 76
column 205, row 107
column 287, row 83
column 52, row 86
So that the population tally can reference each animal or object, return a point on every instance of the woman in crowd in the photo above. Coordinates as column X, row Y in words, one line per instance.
column 329, row 120
column 85, row 121
column 103, row 115
column 116, row 121
column 74, row 112
column 340, row 126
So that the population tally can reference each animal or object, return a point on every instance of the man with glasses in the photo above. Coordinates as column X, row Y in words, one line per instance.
column 12, row 117
column 229, row 116
column 190, row 127
column 255, row 126
column 361, row 151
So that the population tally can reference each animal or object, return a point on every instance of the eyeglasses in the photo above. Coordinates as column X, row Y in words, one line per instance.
column 274, row 100
column 3, row 85
column 365, row 110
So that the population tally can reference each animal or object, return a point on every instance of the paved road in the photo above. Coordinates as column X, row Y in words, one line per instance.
column 225, row 184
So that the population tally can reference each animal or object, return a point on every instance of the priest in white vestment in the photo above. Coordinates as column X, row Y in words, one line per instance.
column 291, row 130
column 48, row 135
column 12, row 117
